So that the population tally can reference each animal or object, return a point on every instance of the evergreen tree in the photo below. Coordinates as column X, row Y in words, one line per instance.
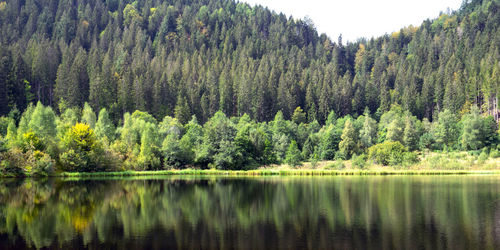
column 182, row 113
column 410, row 136
column 299, row 116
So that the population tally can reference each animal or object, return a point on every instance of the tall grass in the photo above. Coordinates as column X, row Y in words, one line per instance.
column 290, row 172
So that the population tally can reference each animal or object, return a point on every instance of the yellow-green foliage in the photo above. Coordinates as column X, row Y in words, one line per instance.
column 83, row 152
column 387, row 152
column 32, row 141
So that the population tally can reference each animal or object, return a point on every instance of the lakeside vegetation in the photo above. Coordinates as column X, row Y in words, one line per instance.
column 44, row 144
column 217, row 84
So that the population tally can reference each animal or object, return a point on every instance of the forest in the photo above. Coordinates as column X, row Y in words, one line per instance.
column 218, row 83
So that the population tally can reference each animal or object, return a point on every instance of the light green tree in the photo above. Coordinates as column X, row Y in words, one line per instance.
column 88, row 116
column 299, row 116
column 368, row 132
column 104, row 128
column 472, row 134
column 349, row 143
column 395, row 131
column 293, row 155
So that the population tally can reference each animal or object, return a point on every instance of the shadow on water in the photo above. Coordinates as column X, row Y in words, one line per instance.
column 374, row 212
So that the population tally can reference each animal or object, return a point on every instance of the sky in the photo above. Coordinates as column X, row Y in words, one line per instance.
column 360, row 18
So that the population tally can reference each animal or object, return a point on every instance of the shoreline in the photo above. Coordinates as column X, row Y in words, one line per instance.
column 267, row 172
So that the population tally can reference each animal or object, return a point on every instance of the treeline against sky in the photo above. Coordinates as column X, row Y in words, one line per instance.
column 80, row 140
column 197, row 57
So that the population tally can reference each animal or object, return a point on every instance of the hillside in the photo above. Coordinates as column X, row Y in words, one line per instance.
column 196, row 57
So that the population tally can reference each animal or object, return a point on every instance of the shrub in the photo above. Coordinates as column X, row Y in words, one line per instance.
column 83, row 151
column 11, row 162
column 409, row 158
column 40, row 164
column 483, row 156
column 387, row 153
column 359, row 161
column 495, row 153
column 336, row 165
column 15, row 163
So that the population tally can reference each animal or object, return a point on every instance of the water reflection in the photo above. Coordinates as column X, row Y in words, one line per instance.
column 455, row 212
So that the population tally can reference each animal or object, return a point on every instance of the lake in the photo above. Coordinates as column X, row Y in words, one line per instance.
column 341, row 212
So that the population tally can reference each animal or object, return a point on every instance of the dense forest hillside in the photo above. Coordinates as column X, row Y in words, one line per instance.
column 156, row 85
column 196, row 57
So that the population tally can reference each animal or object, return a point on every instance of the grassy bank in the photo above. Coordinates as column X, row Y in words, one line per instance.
column 277, row 172
column 454, row 163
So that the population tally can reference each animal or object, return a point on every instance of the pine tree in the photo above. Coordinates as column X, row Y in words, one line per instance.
column 182, row 113
column 410, row 136
column 299, row 116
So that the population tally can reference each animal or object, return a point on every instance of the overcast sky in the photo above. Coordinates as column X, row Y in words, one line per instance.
column 360, row 18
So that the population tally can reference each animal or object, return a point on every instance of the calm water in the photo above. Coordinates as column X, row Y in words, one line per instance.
column 393, row 212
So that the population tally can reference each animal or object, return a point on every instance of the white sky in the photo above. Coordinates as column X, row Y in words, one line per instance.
column 360, row 18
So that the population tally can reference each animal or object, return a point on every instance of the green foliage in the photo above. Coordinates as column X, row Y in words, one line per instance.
column 104, row 127
column 299, row 116
column 349, row 144
column 368, row 133
column 293, row 155
column 4, row 124
column 387, row 153
column 148, row 157
column 477, row 131
column 359, row 161
column 395, row 131
column 43, row 122
column 410, row 136
column 336, row 165
column 447, row 130
column 15, row 163
column 83, row 153
column 182, row 111
column 88, row 116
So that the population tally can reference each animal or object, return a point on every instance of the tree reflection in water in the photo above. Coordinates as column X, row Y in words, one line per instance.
column 459, row 212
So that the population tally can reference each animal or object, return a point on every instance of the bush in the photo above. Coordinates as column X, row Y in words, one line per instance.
column 387, row 153
column 336, row 165
column 16, row 163
column 83, row 151
column 359, row 161
column 483, row 156
column 40, row 164
column 495, row 153
column 409, row 158
column 12, row 162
